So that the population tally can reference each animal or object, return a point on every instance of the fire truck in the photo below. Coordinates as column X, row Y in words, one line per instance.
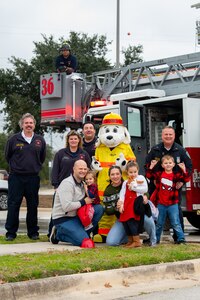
column 148, row 96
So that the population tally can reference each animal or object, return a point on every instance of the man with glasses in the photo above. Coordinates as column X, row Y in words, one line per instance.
column 66, row 62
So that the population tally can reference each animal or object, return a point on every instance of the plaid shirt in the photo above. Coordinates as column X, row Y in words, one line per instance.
column 93, row 193
column 166, row 194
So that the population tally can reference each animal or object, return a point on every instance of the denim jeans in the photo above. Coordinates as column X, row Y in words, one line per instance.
column 72, row 230
column 173, row 213
column 117, row 234
column 150, row 228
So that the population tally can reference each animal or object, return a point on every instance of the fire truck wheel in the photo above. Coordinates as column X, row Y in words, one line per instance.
column 194, row 220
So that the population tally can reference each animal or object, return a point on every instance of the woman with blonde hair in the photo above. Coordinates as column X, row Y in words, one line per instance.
column 65, row 158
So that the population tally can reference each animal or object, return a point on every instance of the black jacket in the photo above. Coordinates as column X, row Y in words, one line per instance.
column 63, row 164
column 141, row 209
column 90, row 147
column 25, row 158
column 68, row 62
column 177, row 151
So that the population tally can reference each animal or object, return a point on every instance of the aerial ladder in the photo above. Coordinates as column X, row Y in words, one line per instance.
column 174, row 75
column 66, row 98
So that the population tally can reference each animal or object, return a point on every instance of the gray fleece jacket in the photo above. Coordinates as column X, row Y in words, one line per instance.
column 68, row 198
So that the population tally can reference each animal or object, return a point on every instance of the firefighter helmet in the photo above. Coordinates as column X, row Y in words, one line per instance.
column 112, row 119
column 65, row 47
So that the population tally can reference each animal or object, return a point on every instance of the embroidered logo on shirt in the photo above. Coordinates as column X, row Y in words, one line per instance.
column 38, row 143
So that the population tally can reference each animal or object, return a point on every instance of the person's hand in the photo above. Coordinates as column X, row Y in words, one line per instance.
column 88, row 200
column 85, row 186
column 179, row 185
column 132, row 185
column 69, row 70
column 182, row 167
column 119, row 203
column 153, row 163
column 121, row 209
column 145, row 199
column 120, row 206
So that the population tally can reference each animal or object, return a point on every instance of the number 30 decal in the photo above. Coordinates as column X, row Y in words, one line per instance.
column 47, row 86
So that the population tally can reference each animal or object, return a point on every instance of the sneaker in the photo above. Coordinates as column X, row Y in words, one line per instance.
column 180, row 242
column 34, row 237
column 146, row 241
column 10, row 238
column 52, row 237
column 153, row 244
column 88, row 227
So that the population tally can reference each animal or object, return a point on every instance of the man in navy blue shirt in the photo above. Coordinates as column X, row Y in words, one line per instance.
column 25, row 152
column 66, row 62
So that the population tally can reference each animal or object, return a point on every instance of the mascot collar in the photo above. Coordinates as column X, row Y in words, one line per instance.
column 121, row 145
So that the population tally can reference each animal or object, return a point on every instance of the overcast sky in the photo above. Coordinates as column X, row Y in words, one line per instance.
column 165, row 28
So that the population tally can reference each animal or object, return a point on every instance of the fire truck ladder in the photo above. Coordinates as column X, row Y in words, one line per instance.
column 175, row 75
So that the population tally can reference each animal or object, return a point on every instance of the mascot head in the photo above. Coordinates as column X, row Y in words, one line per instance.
column 112, row 131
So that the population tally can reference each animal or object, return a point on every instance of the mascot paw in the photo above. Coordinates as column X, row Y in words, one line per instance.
column 121, row 162
column 95, row 165
column 98, row 238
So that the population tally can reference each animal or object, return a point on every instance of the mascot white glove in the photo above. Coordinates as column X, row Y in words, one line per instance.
column 95, row 165
column 121, row 162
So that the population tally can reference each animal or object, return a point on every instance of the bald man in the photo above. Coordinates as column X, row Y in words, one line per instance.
column 70, row 196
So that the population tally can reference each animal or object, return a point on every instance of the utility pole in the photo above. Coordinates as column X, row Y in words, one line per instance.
column 197, row 37
column 118, row 35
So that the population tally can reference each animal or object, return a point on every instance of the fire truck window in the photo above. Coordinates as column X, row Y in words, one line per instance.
column 134, row 122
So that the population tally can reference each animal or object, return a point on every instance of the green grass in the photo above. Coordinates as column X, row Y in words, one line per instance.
column 23, row 239
column 41, row 265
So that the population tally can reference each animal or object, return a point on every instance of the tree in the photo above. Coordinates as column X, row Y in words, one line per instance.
column 19, row 88
column 90, row 52
column 132, row 54
column 45, row 172
column 3, row 162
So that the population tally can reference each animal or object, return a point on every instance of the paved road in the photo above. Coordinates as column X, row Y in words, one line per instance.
column 183, row 293
column 180, row 280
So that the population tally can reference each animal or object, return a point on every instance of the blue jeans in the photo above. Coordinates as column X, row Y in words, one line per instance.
column 173, row 213
column 72, row 230
column 117, row 234
column 150, row 228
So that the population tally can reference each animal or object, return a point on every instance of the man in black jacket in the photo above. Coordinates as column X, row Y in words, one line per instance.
column 25, row 152
column 89, row 138
column 66, row 62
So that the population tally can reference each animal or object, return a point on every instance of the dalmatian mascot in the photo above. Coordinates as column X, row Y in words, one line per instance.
column 112, row 148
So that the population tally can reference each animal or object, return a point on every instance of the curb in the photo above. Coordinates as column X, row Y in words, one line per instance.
column 86, row 281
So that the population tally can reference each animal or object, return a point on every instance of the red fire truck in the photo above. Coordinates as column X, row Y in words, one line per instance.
column 148, row 96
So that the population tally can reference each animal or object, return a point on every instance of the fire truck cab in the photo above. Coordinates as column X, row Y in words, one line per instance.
column 145, row 113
